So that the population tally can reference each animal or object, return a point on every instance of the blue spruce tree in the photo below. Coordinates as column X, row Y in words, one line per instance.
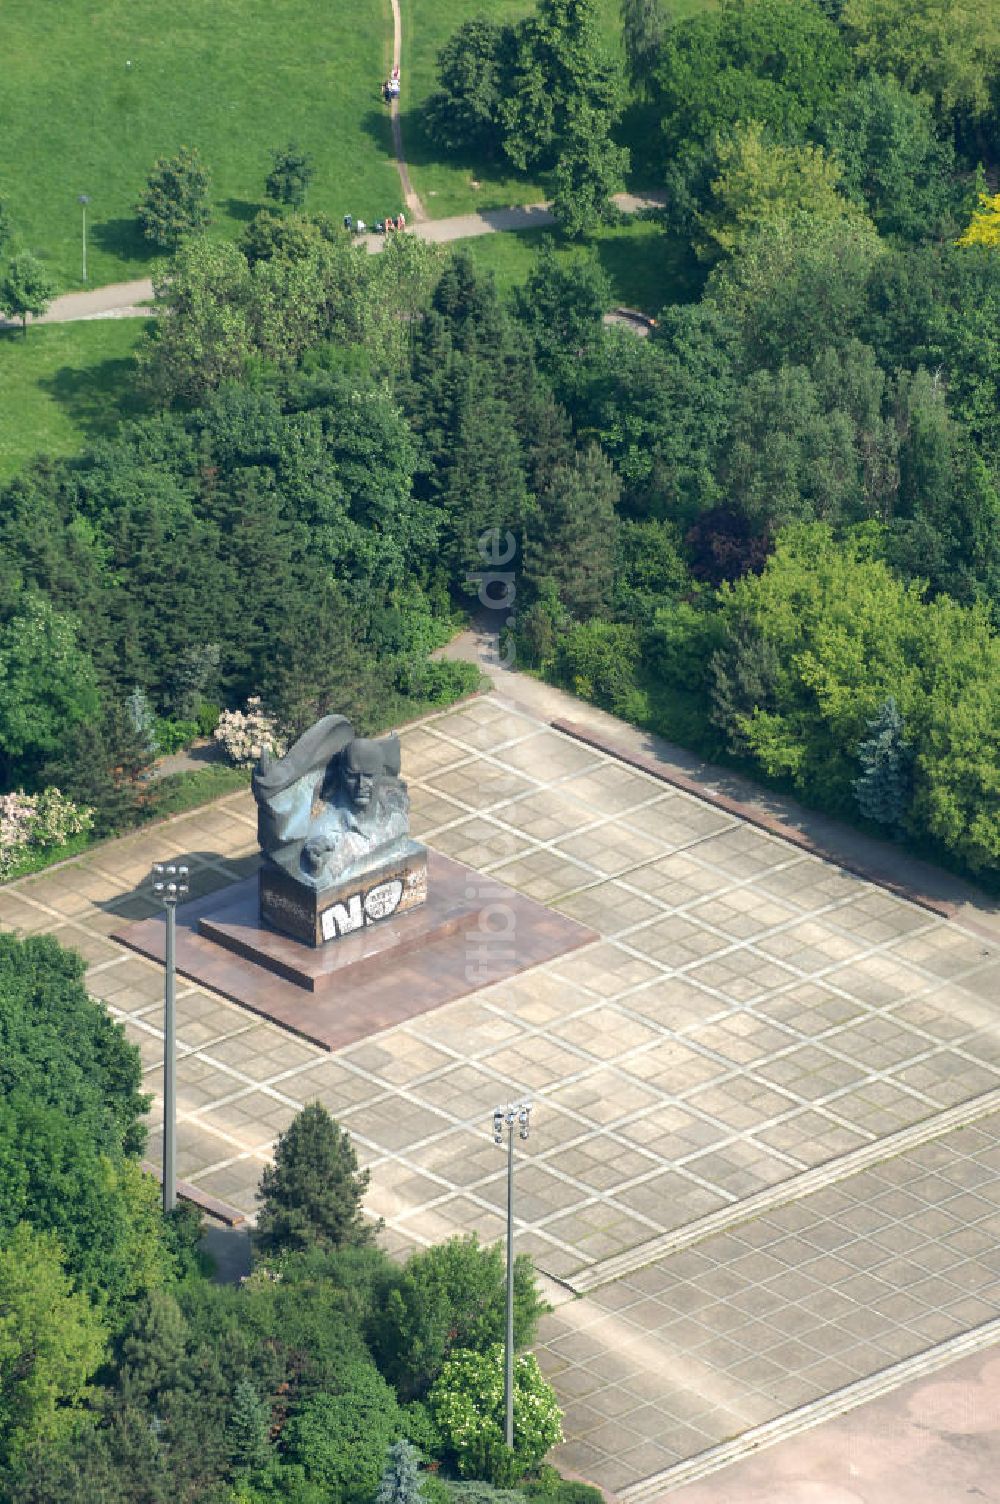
column 401, row 1482
column 885, row 787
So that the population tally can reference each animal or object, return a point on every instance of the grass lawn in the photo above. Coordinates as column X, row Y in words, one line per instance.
column 646, row 267
column 92, row 91
column 63, row 385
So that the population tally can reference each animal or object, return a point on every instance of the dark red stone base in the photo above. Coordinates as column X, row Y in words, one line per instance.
column 471, row 933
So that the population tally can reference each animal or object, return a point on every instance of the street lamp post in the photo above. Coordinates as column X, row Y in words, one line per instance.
column 169, row 884
column 84, row 199
column 505, row 1118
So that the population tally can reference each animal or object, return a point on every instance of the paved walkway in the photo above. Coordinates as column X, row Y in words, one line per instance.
column 761, row 1181
column 129, row 299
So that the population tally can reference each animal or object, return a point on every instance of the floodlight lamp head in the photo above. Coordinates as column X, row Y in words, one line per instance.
column 498, row 1116
column 523, row 1116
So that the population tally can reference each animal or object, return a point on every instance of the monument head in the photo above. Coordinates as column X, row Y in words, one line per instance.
column 364, row 763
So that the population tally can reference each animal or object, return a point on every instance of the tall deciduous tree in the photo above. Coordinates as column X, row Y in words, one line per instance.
column 760, row 181
column 51, row 1342
column 949, row 49
column 291, row 173
column 449, row 1296
column 311, row 1196
column 643, row 26
column 48, row 682
column 174, row 203
column 892, row 159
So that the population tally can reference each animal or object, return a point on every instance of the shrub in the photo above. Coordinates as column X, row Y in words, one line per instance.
column 467, row 1403
column 244, row 734
column 341, row 1439
column 552, row 1486
column 31, row 823
column 171, row 735
column 597, row 660
column 450, row 1296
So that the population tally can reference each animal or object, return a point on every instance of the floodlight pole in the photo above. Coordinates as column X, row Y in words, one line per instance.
column 169, row 884
column 506, row 1117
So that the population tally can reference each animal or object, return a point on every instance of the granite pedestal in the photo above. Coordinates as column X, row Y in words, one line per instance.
column 472, row 932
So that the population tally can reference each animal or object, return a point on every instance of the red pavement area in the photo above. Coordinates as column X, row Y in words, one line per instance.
column 934, row 1441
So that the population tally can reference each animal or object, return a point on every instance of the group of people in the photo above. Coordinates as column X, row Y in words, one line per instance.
column 390, row 88
column 381, row 226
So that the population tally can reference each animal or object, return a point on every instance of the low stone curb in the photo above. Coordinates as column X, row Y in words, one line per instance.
column 785, row 1191
column 221, row 1210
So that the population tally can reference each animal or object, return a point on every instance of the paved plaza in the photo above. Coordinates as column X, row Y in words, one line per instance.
column 763, row 1159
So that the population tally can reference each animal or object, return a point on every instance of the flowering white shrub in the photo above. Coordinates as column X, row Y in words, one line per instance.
column 466, row 1403
column 37, row 821
column 245, row 733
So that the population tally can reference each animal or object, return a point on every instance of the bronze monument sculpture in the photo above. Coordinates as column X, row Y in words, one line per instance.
column 333, row 826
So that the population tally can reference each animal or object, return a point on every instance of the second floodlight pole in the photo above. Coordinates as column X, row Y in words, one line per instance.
column 508, row 1369
column 169, row 884
column 506, row 1117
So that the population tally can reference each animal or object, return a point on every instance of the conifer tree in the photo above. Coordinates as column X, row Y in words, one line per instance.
column 311, row 1195
column 401, row 1483
column 885, row 787
column 249, row 1427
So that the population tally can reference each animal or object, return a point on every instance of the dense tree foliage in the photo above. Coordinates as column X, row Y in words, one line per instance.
column 544, row 95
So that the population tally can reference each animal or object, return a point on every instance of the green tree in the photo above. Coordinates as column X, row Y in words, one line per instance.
column 340, row 1440
column 779, row 62
column 643, row 26
column 207, row 333
column 949, row 49
column 291, row 173
column 249, row 1428
column 174, row 203
column 848, row 634
column 464, row 114
column 798, row 287
column 744, row 679
column 451, row 1295
column 48, row 685
column 311, row 1196
column 562, row 304
column 885, row 788
column 589, row 169
column 760, row 181
column 25, row 287
column 572, row 541
column 401, row 1482
column 563, row 90
column 51, row 1342
column 891, row 157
